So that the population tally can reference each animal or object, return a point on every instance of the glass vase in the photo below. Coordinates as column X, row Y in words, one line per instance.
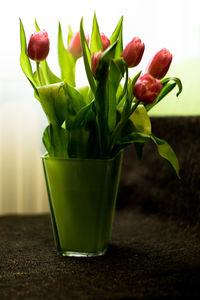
column 82, row 195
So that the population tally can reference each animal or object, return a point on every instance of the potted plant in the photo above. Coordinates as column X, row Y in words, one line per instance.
column 90, row 126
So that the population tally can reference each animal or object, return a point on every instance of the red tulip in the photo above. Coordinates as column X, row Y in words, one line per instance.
column 94, row 61
column 105, row 41
column 147, row 88
column 38, row 47
column 75, row 45
column 133, row 52
column 159, row 65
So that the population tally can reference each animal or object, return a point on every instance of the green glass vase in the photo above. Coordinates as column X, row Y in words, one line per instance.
column 82, row 195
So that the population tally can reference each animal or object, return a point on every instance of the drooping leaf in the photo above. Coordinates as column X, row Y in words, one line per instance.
column 53, row 101
column 96, row 42
column 135, row 137
column 139, row 149
column 167, row 152
column 66, row 61
column 141, row 120
column 60, row 102
column 177, row 81
column 24, row 60
column 56, row 139
column 87, row 58
column 167, row 88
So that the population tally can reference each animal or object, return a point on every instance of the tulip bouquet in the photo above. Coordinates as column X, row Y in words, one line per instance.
column 100, row 119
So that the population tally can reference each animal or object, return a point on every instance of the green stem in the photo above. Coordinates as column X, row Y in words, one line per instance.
column 121, row 124
column 38, row 72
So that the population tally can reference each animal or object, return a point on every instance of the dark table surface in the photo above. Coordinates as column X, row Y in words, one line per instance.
column 149, row 257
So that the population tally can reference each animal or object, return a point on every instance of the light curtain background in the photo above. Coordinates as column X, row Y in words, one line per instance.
column 173, row 24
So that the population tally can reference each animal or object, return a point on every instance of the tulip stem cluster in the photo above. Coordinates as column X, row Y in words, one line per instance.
column 107, row 115
column 122, row 122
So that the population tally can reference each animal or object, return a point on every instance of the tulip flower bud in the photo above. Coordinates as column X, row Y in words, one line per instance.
column 133, row 52
column 159, row 65
column 94, row 61
column 147, row 88
column 38, row 46
column 75, row 45
column 105, row 41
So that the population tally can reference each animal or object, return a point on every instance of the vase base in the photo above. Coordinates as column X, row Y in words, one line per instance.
column 81, row 254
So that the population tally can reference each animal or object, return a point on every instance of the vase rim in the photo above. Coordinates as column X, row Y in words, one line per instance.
column 75, row 159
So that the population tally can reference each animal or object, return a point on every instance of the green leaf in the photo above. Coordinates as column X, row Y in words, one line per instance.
column 117, row 69
column 104, row 61
column 119, row 48
column 53, row 101
column 140, row 120
column 85, row 91
column 66, row 61
column 101, row 99
column 177, row 81
column 87, row 58
column 117, row 31
column 166, row 152
column 84, row 142
column 24, row 60
column 128, row 95
column 74, row 103
column 96, row 42
column 70, row 35
column 135, row 137
column 167, row 88
column 139, row 149
column 56, row 139
column 37, row 26
column 51, row 77
column 61, row 102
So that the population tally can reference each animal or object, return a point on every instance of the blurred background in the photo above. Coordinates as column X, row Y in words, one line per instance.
column 172, row 24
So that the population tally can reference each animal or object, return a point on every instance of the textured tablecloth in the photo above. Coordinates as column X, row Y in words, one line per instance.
column 149, row 257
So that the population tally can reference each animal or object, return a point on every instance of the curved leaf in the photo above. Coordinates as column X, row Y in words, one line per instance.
column 141, row 120
column 56, row 139
column 177, row 81
column 167, row 152
column 165, row 90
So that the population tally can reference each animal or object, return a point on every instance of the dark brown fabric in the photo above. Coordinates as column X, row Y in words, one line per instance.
column 152, row 184
column 148, row 258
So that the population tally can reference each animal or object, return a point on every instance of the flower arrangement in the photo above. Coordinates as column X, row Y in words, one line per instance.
column 98, row 120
